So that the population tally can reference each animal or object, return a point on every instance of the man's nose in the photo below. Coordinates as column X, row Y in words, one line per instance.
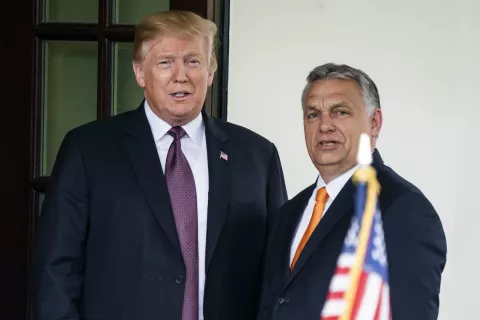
column 326, row 123
column 180, row 74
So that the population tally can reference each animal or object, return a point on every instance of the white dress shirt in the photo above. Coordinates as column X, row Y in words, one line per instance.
column 194, row 146
column 333, row 189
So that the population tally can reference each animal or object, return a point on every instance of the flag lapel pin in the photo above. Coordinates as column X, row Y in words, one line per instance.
column 223, row 156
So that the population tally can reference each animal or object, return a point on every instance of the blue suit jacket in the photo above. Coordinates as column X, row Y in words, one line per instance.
column 415, row 242
column 107, row 246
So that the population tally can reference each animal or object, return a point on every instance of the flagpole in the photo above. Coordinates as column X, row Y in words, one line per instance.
column 366, row 174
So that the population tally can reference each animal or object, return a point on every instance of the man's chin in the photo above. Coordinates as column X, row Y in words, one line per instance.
column 329, row 159
column 326, row 164
column 183, row 115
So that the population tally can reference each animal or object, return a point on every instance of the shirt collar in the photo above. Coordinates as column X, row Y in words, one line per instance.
column 337, row 184
column 194, row 128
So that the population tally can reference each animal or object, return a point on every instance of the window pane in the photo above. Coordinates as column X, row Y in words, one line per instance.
column 127, row 95
column 132, row 11
column 70, row 93
column 84, row 11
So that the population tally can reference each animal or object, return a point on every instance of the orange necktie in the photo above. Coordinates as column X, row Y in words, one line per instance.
column 321, row 199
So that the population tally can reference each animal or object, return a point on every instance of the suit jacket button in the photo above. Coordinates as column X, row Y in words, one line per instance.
column 179, row 279
column 281, row 300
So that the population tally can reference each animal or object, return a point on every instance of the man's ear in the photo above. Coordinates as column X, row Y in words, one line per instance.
column 210, row 77
column 139, row 73
column 376, row 123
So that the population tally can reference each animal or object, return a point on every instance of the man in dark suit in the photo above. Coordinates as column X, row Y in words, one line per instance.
column 339, row 104
column 161, row 212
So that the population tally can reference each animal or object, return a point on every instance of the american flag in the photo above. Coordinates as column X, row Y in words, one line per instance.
column 223, row 156
column 359, row 288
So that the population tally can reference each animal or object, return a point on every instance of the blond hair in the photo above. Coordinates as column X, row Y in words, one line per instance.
column 174, row 23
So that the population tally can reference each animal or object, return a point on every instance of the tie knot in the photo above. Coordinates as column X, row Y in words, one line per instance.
column 322, row 195
column 176, row 132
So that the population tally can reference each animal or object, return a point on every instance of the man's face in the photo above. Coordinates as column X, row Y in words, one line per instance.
column 175, row 75
column 334, row 118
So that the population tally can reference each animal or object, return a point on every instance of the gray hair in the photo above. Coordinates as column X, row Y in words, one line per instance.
column 337, row 71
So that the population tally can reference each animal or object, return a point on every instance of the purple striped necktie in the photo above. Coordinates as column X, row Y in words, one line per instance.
column 183, row 197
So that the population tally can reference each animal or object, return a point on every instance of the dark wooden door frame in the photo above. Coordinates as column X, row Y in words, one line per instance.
column 16, row 65
column 18, row 124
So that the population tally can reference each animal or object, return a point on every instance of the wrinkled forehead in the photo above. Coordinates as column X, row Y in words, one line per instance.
column 177, row 44
column 333, row 92
column 328, row 102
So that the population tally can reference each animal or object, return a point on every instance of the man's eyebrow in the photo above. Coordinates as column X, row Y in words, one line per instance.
column 173, row 56
column 340, row 104
column 164, row 56
column 310, row 107
column 193, row 53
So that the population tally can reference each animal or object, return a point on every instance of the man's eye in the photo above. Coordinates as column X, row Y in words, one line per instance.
column 312, row 115
column 194, row 61
column 164, row 63
column 341, row 112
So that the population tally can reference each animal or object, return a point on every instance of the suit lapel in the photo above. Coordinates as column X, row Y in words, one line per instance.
column 286, row 235
column 219, row 170
column 341, row 206
column 337, row 210
column 142, row 152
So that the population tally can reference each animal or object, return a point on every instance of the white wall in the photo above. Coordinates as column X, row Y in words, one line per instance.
column 425, row 58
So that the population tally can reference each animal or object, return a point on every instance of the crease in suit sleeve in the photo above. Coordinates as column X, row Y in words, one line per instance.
column 276, row 190
column 58, row 263
column 416, row 251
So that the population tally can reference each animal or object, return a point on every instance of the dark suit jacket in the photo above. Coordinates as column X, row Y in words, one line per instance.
column 414, row 238
column 107, row 246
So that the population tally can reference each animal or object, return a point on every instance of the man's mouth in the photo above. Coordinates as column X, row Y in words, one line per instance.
column 180, row 94
column 328, row 143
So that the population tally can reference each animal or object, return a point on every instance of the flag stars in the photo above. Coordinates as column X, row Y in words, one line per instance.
column 378, row 252
column 352, row 235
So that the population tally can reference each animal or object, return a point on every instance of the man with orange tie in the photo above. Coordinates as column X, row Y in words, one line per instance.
column 339, row 104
